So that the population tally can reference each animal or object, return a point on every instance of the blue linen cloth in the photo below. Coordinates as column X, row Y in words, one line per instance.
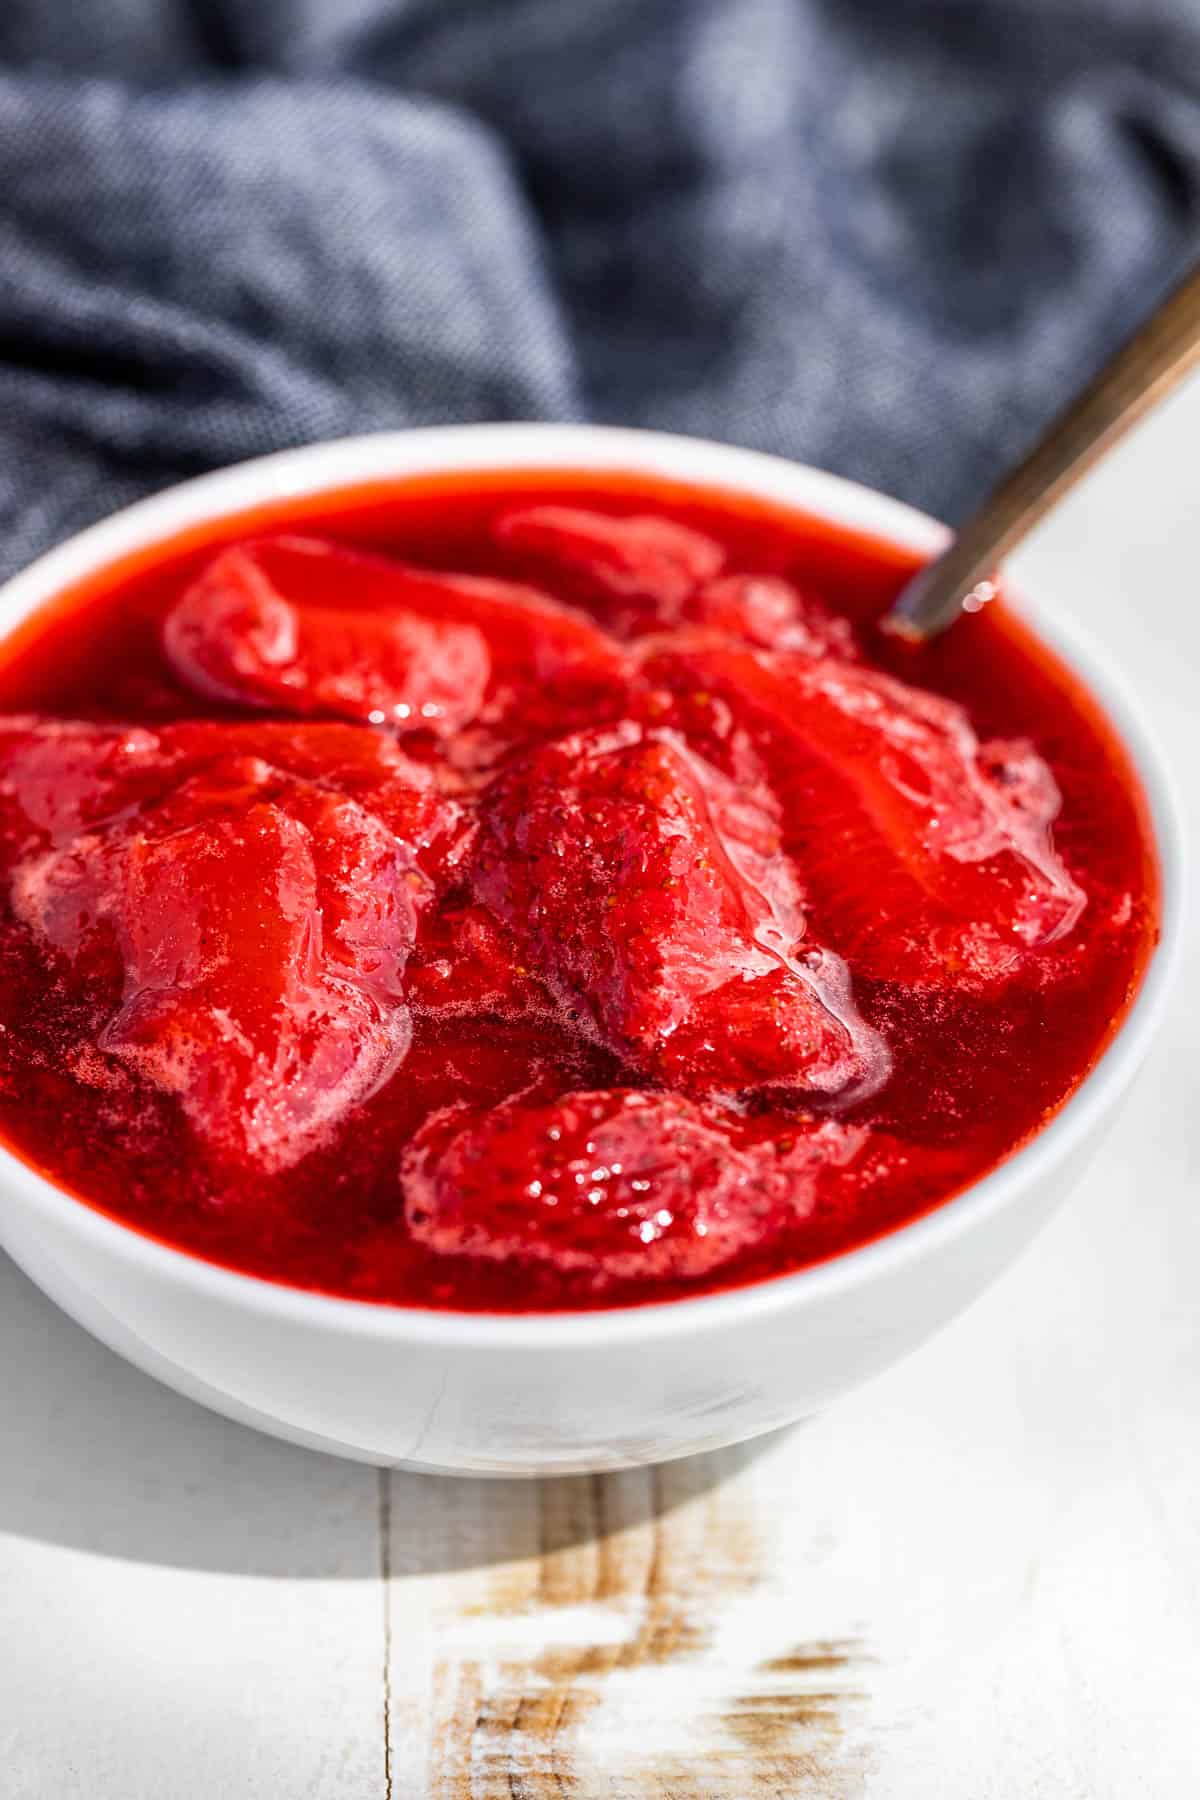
column 885, row 236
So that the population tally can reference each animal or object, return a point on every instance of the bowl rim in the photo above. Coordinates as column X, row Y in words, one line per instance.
column 324, row 468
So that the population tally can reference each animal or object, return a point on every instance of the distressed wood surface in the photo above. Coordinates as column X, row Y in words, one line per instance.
column 979, row 1578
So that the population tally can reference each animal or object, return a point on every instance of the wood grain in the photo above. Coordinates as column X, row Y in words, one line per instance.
column 598, row 1646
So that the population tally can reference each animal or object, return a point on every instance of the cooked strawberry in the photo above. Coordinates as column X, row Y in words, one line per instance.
column 260, row 926
column 422, row 804
column 643, row 886
column 352, row 758
column 59, row 775
column 244, row 633
column 616, row 1184
column 466, row 961
column 639, row 569
column 888, row 793
column 647, row 574
column 760, row 1033
column 357, row 635
column 771, row 613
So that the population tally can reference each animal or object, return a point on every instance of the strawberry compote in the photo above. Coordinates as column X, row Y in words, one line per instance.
column 525, row 893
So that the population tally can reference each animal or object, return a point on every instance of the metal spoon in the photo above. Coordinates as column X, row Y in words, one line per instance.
column 1142, row 372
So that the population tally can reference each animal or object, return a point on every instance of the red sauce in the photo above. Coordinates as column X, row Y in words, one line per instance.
column 651, row 926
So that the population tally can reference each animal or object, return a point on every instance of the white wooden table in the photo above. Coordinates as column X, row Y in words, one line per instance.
column 979, row 1577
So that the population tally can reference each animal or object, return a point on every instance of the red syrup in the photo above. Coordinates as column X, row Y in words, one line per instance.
column 544, row 891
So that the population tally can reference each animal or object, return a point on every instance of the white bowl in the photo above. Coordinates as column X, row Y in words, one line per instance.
column 501, row 1395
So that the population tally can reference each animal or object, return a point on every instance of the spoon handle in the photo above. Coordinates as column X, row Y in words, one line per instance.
column 1142, row 372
